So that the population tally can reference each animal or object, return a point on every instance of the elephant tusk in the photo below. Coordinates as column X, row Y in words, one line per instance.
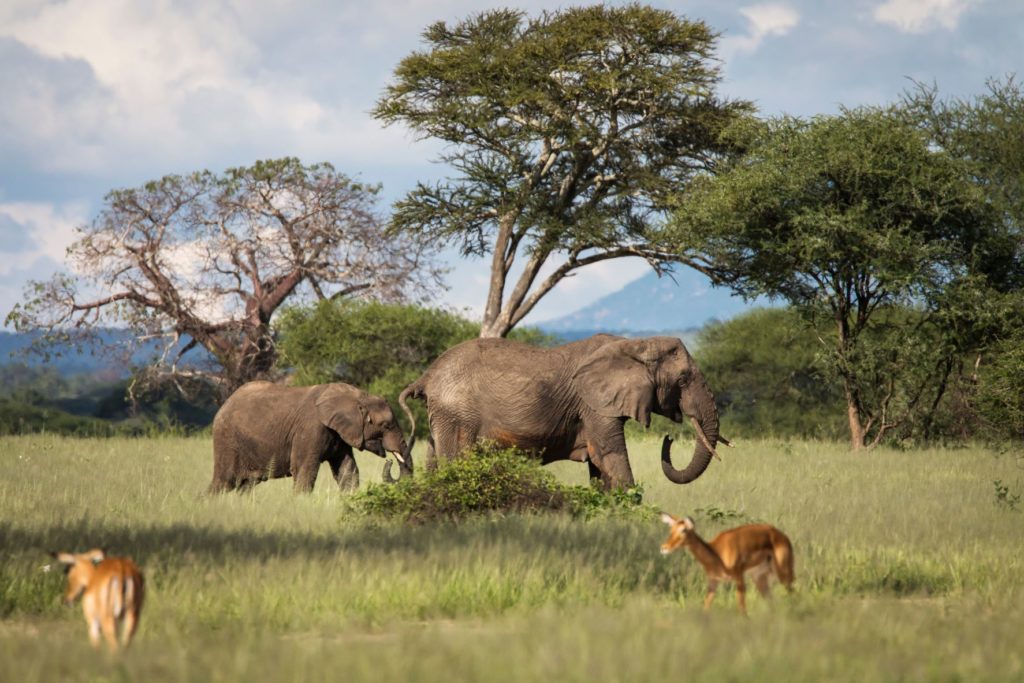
column 704, row 438
column 722, row 439
column 407, row 453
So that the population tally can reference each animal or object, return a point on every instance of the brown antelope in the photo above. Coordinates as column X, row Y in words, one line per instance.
column 760, row 549
column 111, row 589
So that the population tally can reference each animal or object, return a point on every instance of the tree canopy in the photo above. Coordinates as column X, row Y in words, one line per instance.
column 566, row 134
column 205, row 260
column 847, row 217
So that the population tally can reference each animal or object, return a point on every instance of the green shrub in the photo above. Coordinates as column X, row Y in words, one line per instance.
column 488, row 479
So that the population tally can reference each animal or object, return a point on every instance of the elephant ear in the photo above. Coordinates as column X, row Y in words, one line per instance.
column 617, row 380
column 340, row 408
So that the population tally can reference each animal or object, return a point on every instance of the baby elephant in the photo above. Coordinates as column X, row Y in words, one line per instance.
column 111, row 589
column 760, row 549
column 266, row 431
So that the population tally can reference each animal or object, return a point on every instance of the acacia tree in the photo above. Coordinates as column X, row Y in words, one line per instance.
column 205, row 260
column 857, row 218
column 986, row 133
column 566, row 134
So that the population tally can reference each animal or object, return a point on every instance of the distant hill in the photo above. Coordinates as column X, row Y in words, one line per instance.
column 653, row 305
column 13, row 346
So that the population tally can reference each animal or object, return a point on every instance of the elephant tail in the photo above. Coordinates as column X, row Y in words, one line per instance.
column 414, row 390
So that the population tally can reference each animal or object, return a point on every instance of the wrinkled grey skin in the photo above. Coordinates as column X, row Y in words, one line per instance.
column 266, row 430
column 568, row 402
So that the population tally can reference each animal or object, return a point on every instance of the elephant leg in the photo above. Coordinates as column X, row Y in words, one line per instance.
column 598, row 479
column 616, row 470
column 451, row 437
column 431, row 455
column 305, row 477
column 304, row 468
column 346, row 472
column 219, row 485
column 606, row 446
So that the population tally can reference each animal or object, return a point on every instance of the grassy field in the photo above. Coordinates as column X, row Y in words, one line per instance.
column 910, row 567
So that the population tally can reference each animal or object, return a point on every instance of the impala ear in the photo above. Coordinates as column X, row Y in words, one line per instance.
column 669, row 519
column 688, row 523
column 340, row 408
column 97, row 555
column 63, row 558
column 615, row 380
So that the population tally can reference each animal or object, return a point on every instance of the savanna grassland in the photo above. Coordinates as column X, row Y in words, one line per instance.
column 909, row 567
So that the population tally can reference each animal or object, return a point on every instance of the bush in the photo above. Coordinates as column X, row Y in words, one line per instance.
column 489, row 479
column 17, row 417
column 764, row 370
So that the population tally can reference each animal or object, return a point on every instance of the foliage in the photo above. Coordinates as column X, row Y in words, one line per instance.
column 846, row 217
column 566, row 133
column 763, row 367
column 986, row 133
column 208, row 259
column 998, row 393
column 40, row 399
column 376, row 346
column 485, row 479
column 17, row 417
column 1005, row 497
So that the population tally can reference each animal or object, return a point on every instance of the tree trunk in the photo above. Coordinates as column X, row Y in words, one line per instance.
column 493, row 329
column 856, row 428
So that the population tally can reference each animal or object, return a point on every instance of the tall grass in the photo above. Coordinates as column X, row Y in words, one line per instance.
column 908, row 567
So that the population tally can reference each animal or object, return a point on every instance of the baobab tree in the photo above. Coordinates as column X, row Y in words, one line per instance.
column 203, row 261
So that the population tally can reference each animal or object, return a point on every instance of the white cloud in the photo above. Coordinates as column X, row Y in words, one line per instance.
column 763, row 21
column 919, row 16
column 52, row 228
column 175, row 85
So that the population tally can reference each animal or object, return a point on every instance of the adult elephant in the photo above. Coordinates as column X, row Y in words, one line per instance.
column 567, row 402
column 266, row 431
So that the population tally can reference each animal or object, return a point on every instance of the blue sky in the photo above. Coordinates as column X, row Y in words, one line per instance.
column 100, row 94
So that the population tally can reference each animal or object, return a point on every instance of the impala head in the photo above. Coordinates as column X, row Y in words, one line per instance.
column 80, row 568
column 679, row 530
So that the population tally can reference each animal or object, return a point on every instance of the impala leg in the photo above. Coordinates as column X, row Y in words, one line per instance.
column 128, row 629
column 710, row 597
column 761, row 581
column 109, row 626
column 762, row 575
column 94, row 632
column 741, row 594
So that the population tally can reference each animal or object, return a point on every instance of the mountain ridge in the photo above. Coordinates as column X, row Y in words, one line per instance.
column 685, row 300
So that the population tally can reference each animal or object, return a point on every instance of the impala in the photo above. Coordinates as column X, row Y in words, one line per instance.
column 111, row 589
column 760, row 549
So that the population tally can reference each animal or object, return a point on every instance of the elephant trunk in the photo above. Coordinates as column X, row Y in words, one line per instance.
column 385, row 474
column 704, row 415
column 404, row 464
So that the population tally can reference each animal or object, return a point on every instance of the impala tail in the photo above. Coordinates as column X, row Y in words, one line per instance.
column 782, row 556
column 111, row 589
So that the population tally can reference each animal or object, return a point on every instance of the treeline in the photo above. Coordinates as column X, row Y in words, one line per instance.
column 770, row 371
column 40, row 399
column 773, row 375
